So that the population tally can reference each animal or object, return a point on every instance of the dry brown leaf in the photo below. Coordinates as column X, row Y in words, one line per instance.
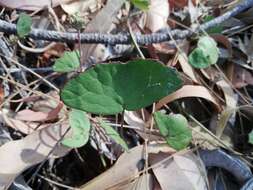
column 228, row 92
column 189, row 91
column 103, row 22
column 223, row 120
column 30, row 5
column 181, row 3
column 181, row 172
column 24, row 127
column 30, row 151
column 202, row 139
column 80, row 7
column 1, row 93
column 144, row 182
column 29, row 115
column 132, row 119
column 183, row 61
column 157, row 15
column 124, row 169
column 242, row 77
column 223, row 40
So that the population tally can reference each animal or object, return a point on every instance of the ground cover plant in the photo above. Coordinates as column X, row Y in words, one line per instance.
column 126, row 94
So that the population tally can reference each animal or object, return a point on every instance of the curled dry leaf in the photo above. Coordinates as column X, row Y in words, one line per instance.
column 189, row 91
column 180, row 3
column 30, row 151
column 223, row 40
column 189, row 172
column 73, row 7
column 157, row 15
column 29, row 115
column 242, row 77
column 145, row 181
column 30, row 5
column 125, row 169
column 23, row 127
column 184, row 63
column 132, row 119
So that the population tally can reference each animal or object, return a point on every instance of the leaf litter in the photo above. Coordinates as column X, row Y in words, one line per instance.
column 96, row 116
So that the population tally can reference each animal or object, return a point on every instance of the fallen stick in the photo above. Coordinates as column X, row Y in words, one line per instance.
column 39, row 34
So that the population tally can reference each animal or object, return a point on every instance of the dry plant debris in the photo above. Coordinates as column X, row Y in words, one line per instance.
column 126, row 94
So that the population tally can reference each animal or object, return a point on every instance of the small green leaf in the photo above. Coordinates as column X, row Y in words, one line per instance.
column 80, row 125
column 174, row 128
column 215, row 29
column 113, row 134
column 251, row 137
column 68, row 62
column 141, row 4
column 205, row 54
column 24, row 25
column 110, row 88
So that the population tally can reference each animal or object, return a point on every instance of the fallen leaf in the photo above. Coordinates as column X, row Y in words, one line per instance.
column 157, row 15
column 193, row 11
column 230, row 97
column 2, row 95
column 180, row 172
column 30, row 115
column 189, row 91
column 184, row 62
column 23, row 127
column 223, row 120
column 102, row 22
column 112, row 133
column 80, row 7
column 145, row 182
column 30, row 5
column 223, row 40
column 181, row 3
column 29, row 151
column 124, row 170
column 242, row 77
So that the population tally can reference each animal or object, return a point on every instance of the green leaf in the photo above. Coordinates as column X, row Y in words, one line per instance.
column 215, row 29
column 68, row 62
column 110, row 88
column 174, row 128
column 24, row 25
column 80, row 126
column 141, row 4
column 113, row 134
column 251, row 137
column 205, row 54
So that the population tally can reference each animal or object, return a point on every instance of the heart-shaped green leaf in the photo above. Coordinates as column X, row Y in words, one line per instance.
column 141, row 4
column 24, row 25
column 205, row 54
column 80, row 126
column 174, row 128
column 113, row 134
column 110, row 88
column 68, row 62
